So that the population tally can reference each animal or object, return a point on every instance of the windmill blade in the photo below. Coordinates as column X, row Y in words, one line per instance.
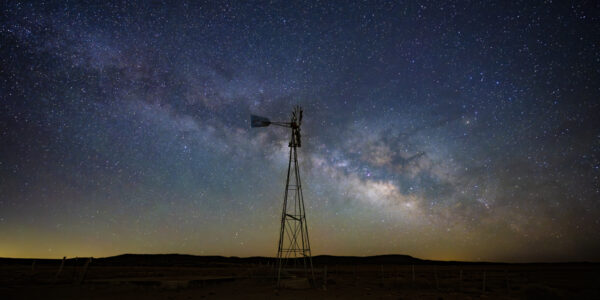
column 258, row 121
column 300, row 119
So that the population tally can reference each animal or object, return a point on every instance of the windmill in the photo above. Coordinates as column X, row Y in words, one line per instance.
column 294, row 245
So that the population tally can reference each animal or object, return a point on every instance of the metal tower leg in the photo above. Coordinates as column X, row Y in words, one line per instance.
column 294, row 243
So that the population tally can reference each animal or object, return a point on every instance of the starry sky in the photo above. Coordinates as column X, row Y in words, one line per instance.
column 441, row 130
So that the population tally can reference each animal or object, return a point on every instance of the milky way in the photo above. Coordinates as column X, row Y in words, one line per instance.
column 463, row 131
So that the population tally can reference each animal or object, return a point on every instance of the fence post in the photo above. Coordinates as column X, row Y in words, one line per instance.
column 62, row 264
column 437, row 283
column 85, row 270
column 33, row 267
column 74, row 273
column 460, row 279
column 483, row 288
column 325, row 278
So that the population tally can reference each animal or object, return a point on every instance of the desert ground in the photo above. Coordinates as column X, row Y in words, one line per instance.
column 385, row 277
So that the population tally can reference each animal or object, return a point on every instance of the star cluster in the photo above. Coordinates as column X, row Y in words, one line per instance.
column 443, row 130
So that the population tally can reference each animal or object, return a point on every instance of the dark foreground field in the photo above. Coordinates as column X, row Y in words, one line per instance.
column 382, row 277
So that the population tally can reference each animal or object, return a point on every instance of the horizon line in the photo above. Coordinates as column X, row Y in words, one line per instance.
column 330, row 255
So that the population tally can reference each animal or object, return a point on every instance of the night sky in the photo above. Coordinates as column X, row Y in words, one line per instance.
column 463, row 131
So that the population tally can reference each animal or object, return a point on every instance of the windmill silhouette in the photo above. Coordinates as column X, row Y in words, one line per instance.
column 294, row 245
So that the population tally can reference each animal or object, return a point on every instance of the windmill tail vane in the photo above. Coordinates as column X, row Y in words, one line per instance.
column 257, row 121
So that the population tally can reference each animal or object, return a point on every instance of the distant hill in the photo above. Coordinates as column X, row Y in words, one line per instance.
column 185, row 260
column 378, row 259
column 195, row 260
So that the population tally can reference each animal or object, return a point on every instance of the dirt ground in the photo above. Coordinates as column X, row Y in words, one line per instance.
column 255, row 281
